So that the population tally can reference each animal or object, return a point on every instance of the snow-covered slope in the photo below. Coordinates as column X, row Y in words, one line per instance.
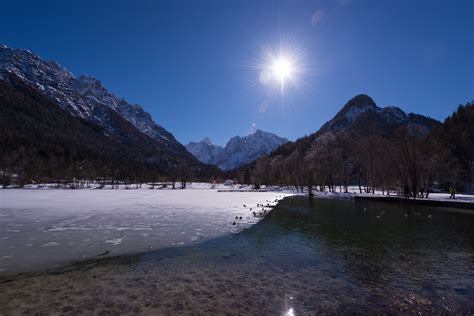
column 84, row 97
column 238, row 150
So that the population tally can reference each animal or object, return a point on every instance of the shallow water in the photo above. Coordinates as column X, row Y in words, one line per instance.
column 307, row 256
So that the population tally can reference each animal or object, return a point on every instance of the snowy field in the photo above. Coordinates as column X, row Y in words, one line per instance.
column 42, row 228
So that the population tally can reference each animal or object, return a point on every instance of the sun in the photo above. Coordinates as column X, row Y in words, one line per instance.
column 282, row 69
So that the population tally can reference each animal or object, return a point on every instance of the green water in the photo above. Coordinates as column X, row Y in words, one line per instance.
column 348, row 256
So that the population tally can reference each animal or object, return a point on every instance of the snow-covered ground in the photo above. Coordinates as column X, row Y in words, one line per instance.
column 43, row 228
column 354, row 191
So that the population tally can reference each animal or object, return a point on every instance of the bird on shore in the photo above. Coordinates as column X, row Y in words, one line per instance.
column 233, row 224
column 245, row 205
column 240, row 217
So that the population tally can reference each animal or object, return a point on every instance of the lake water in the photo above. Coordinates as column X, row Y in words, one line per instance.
column 307, row 256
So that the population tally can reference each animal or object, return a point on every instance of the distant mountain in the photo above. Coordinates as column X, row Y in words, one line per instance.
column 362, row 115
column 365, row 145
column 238, row 150
column 359, row 118
column 128, row 128
column 205, row 151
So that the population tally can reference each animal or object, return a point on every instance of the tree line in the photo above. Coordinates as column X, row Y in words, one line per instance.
column 41, row 143
column 409, row 162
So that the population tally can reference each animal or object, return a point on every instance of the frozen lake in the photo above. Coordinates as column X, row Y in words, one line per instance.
column 306, row 257
column 47, row 228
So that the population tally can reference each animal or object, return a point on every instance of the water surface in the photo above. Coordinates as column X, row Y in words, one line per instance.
column 307, row 256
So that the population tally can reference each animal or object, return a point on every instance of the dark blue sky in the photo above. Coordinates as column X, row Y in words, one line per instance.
column 195, row 65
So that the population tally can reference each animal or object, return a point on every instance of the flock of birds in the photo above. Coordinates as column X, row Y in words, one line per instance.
column 379, row 216
column 261, row 209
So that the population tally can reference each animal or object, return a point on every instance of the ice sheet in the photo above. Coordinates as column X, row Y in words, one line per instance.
column 45, row 228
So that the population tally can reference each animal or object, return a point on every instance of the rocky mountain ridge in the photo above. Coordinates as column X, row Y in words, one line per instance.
column 238, row 150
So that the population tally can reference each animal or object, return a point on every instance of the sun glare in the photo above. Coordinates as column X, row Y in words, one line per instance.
column 282, row 69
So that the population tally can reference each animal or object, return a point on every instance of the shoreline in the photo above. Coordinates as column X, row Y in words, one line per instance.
column 468, row 206
column 463, row 202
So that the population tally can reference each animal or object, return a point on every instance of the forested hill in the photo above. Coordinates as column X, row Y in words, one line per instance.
column 373, row 147
column 457, row 134
column 361, row 116
column 41, row 141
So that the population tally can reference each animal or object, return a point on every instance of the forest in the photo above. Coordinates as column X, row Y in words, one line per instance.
column 41, row 143
column 407, row 161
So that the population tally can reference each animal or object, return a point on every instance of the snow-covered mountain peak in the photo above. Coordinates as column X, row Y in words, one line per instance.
column 207, row 141
column 60, row 71
column 85, row 97
column 238, row 150
column 46, row 76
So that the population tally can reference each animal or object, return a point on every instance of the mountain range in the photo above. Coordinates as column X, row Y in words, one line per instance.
column 108, row 120
column 84, row 97
column 51, row 120
column 238, row 151
column 360, row 117
column 374, row 148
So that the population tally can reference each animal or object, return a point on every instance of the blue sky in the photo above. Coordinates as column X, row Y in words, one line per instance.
column 195, row 65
